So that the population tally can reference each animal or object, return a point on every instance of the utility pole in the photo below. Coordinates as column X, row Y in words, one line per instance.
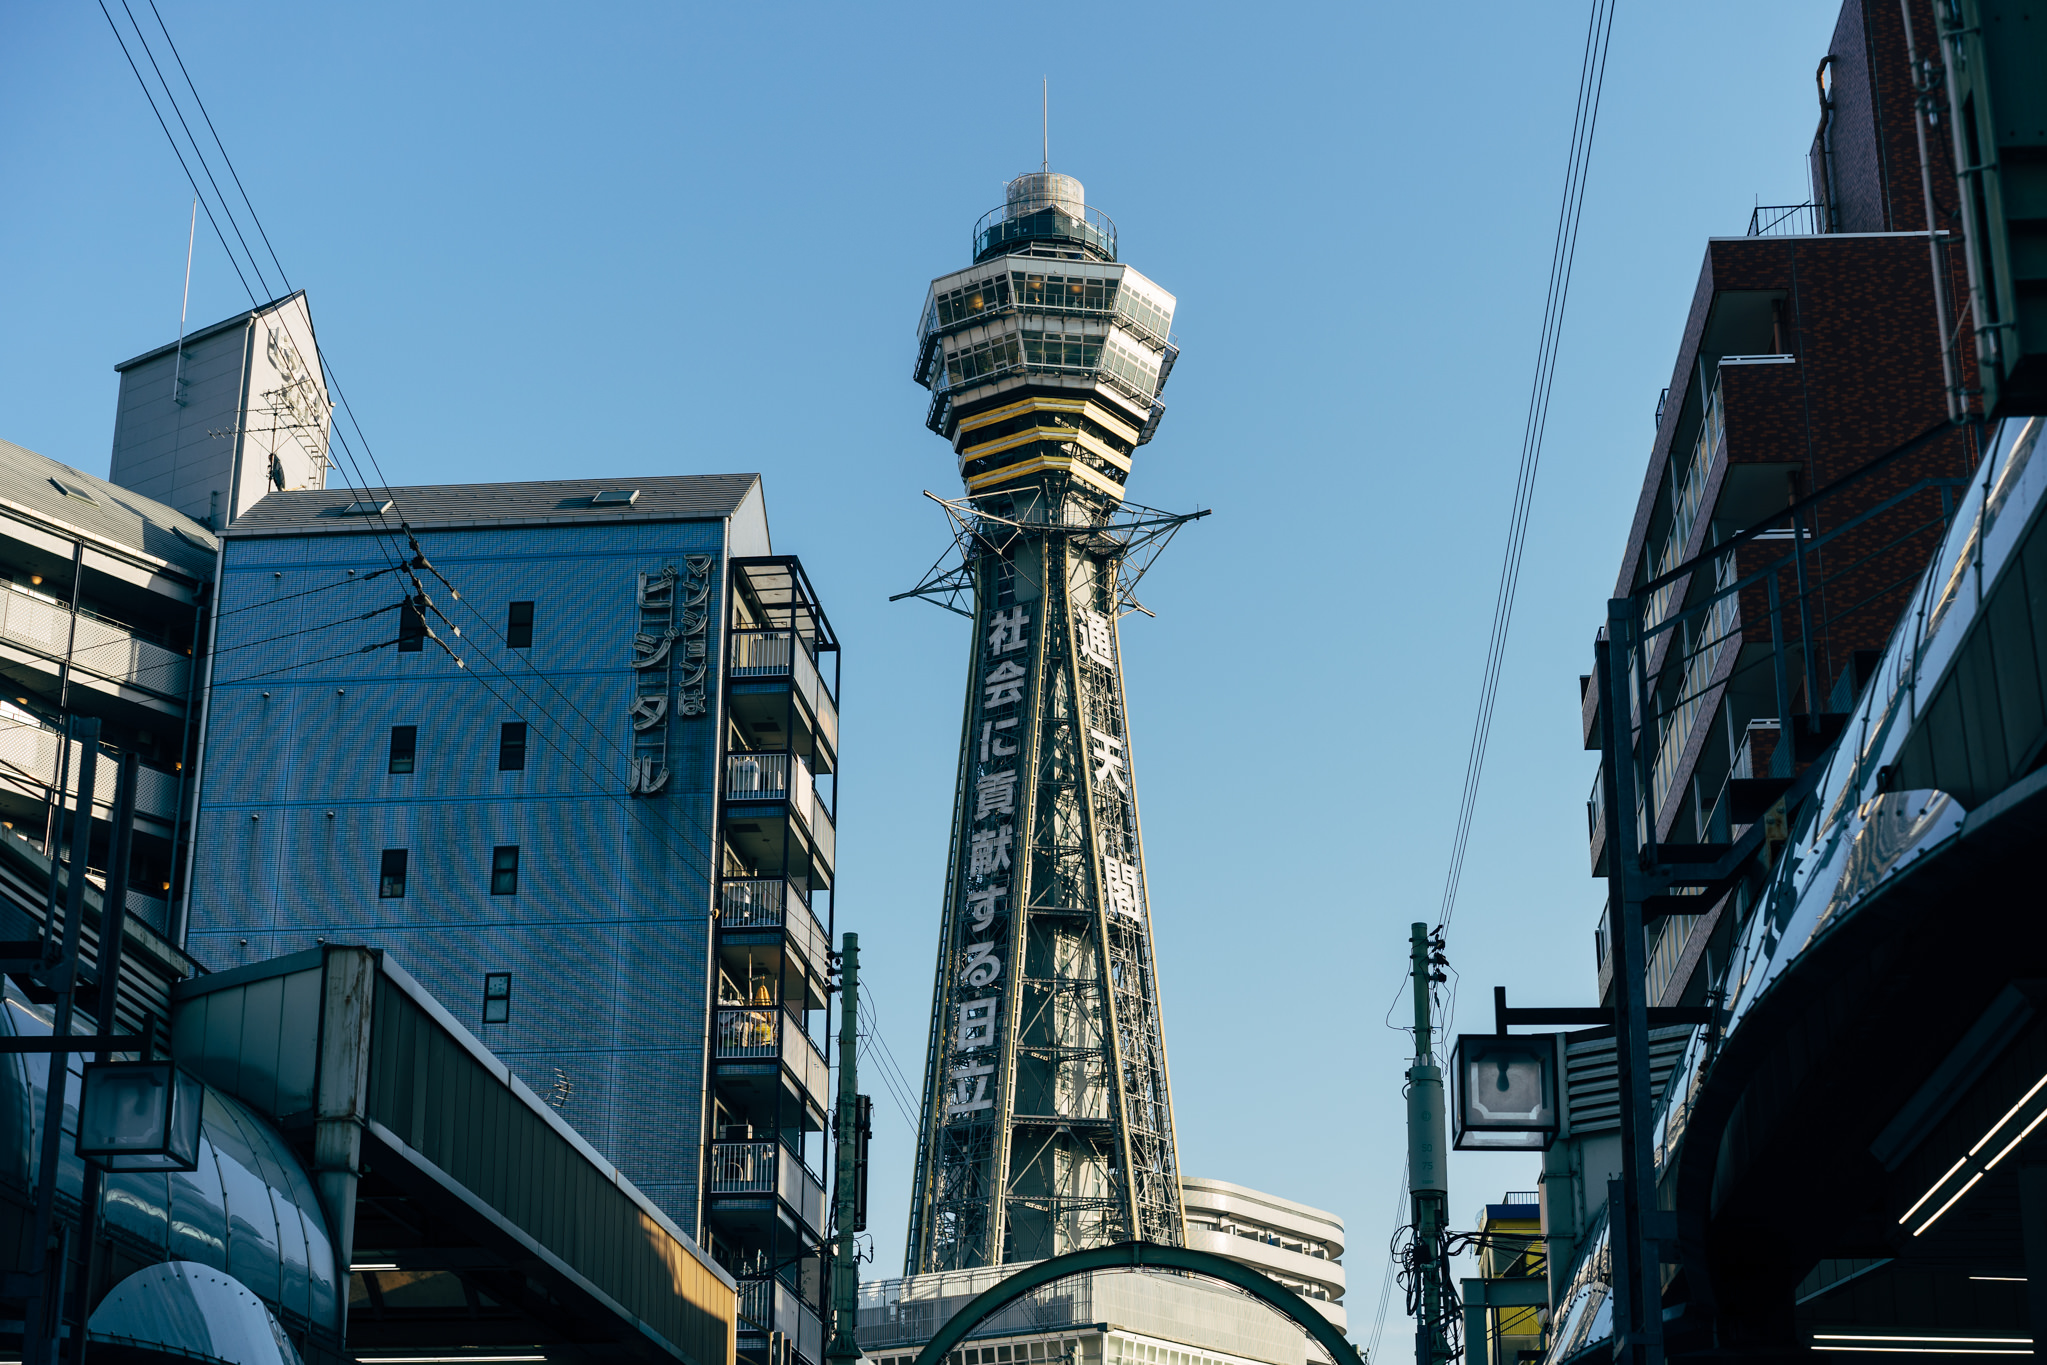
column 1427, row 1181
column 1632, row 1214
column 849, row 1211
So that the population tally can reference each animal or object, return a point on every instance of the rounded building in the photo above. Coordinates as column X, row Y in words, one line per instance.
column 1298, row 1246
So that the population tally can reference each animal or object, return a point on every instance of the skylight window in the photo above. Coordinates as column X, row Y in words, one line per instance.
column 74, row 491
column 366, row 509
column 616, row 497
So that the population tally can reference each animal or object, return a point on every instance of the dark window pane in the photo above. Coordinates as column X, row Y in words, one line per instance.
column 504, row 870
column 512, row 746
column 519, row 625
column 391, row 874
column 497, row 997
column 404, row 745
column 411, row 627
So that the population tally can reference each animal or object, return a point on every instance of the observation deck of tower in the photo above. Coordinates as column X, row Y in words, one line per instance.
column 1047, row 1120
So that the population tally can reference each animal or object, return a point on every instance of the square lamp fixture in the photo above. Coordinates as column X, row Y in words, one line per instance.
column 140, row 1116
column 1504, row 1092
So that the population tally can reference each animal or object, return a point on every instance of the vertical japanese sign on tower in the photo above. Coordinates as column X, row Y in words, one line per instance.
column 1047, row 1122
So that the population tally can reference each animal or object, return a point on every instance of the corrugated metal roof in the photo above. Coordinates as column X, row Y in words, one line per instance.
column 114, row 515
column 240, row 319
column 686, row 497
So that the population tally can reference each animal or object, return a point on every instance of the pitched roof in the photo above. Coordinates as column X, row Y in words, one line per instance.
column 115, row 515
column 686, row 497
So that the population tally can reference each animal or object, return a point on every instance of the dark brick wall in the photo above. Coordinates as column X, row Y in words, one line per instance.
column 1875, row 174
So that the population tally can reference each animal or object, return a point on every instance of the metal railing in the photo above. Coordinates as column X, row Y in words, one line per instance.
column 1786, row 220
column 1004, row 227
column 771, row 1306
column 752, row 1032
column 28, row 759
column 772, row 903
column 766, row 1031
column 774, row 654
column 782, row 776
column 743, row 1167
column 98, row 647
column 756, row 902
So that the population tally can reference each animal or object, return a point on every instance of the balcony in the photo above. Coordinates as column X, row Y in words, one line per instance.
column 28, row 766
column 1595, row 818
column 768, row 1033
column 762, row 903
column 99, row 649
column 770, row 1306
column 780, row 655
column 768, row 1168
column 784, row 778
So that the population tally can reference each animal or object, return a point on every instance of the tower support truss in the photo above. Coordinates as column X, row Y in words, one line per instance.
column 1048, row 1117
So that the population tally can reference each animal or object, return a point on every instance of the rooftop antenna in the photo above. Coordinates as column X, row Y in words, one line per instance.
column 1048, row 126
column 185, row 308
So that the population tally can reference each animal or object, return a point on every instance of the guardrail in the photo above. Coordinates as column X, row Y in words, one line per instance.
column 98, row 648
column 780, row 776
column 776, row 654
column 767, row 1168
column 771, row 903
column 765, row 1031
column 1786, row 220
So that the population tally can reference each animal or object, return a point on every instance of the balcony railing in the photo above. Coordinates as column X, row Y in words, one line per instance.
column 28, row 759
column 768, row 1168
column 771, row 903
column 778, row 654
column 99, row 648
column 1786, row 220
column 771, row 1306
column 768, row 1031
column 779, row 776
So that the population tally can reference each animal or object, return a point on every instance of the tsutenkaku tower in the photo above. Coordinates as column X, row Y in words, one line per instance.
column 1048, row 1117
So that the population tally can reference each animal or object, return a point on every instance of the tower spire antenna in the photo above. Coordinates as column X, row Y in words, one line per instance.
column 1048, row 124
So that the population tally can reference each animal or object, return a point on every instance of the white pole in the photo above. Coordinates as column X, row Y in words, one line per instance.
column 185, row 308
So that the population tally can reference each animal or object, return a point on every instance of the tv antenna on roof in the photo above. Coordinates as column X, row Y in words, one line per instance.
column 1048, row 123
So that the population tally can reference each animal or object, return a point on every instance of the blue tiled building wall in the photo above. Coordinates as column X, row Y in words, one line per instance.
column 607, row 938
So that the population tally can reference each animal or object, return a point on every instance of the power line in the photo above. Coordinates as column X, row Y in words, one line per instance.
column 382, row 531
column 1563, row 254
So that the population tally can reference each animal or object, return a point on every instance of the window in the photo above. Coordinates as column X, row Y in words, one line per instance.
column 519, row 625
column 391, row 875
column 411, row 627
column 404, row 747
column 504, row 870
column 512, row 746
column 497, row 997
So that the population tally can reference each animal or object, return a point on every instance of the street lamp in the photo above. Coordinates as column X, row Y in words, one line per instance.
column 1504, row 1092
column 140, row 1116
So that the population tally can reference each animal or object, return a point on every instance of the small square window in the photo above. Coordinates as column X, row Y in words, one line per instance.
column 519, row 625
column 404, row 747
column 497, row 997
column 512, row 746
column 411, row 627
column 504, row 870
column 391, row 875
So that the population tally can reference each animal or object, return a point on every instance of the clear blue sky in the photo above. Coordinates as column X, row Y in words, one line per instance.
column 547, row 240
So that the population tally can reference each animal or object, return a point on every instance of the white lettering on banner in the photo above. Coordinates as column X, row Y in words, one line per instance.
column 1003, row 685
column 977, row 1024
column 1119, row 885
column 993, row 743
column 1006, row 631
column 969, row 1090
column 982, row 966
column 988, row 851
column 995, row 794
column 1108, row 754
column 1097, row 639
column 981, row 904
